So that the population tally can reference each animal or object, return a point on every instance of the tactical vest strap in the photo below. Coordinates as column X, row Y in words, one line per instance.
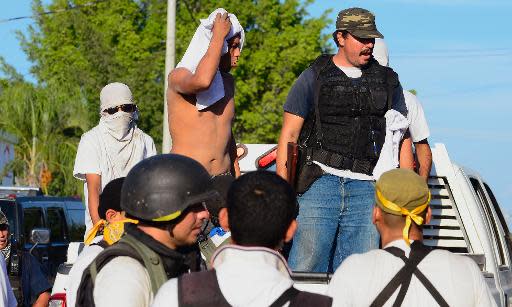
column 128, row 246
column 318, row 66
column 200, row 289
column 404, row 276
column 151, row 260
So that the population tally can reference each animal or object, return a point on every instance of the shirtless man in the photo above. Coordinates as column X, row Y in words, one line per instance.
column 206, row 134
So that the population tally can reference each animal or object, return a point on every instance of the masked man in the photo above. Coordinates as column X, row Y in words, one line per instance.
column 109, row 150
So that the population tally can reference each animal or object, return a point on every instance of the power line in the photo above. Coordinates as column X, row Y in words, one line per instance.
column 53, row 12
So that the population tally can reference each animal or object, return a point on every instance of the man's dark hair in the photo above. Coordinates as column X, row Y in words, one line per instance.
column 261, row 205
column 110, row 198
column 334, row 36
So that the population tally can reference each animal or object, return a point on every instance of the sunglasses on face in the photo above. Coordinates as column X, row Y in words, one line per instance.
column 4, row 227
column 128, row 108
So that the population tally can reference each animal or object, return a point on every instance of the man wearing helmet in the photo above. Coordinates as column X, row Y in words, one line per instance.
column 166, row 194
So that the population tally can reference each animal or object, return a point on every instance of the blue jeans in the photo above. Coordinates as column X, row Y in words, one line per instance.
column 335, row 221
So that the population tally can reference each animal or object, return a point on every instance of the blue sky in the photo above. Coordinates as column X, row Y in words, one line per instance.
column 456, row 53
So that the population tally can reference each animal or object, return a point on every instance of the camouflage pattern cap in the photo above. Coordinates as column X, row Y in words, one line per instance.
column 3, row 219
column 404, row 188
column 358, row 22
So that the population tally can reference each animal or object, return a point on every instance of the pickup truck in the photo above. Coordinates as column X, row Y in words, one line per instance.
column 466, row 220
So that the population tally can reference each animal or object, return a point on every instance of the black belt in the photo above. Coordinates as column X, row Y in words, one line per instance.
column 336, row 160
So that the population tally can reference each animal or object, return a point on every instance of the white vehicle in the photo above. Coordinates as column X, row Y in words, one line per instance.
column 466, row 219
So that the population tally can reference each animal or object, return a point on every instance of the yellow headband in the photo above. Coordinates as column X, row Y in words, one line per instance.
column 410, row 215
column 101, row 223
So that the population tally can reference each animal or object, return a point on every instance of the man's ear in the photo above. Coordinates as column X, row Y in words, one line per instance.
column 290, row 231
column 376, row 214
column 340, row 39
column 111, row 215
column 428, row 217
column 223, row 219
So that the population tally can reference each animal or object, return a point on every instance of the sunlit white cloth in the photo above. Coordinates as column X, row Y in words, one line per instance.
column 197, row 49
column 396, row 126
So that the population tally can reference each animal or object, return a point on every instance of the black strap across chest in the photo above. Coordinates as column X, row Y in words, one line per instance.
column 201, row 289
column 404, row 276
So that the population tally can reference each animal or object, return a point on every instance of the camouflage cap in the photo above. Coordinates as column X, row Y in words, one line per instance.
column 358, row 22
column 3, row 219
column 402, row 187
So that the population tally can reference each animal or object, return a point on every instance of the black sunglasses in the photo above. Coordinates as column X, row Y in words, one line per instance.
column 128, row 108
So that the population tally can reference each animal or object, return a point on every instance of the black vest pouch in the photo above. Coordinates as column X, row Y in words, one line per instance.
column 308, row 171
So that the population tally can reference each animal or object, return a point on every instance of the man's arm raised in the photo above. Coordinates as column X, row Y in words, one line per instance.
column 184, row 81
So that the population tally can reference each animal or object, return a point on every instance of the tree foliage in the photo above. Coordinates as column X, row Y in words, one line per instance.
column 281, row 41
column 78, row 51
column 47, row 126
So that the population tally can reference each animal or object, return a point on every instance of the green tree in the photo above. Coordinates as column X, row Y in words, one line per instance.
column 86, row 48
column 47, row 126
column 124, row 40
column 281, row 41
column 77, row 51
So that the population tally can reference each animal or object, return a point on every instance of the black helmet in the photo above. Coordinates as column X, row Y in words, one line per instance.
column 161, row 187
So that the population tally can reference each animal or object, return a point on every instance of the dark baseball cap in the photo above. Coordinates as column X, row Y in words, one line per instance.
column 358, row 22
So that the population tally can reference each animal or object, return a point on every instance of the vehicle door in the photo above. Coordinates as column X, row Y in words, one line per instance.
column 59, row 237
column 500, row 236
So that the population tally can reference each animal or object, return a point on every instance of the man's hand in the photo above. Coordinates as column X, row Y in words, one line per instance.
column 292, row 125
column 184, row 81
column 221, row 26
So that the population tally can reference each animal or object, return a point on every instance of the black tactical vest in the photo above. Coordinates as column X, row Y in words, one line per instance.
column 346, row 126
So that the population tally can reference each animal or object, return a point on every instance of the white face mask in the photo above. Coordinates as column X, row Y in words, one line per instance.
column 119, row 124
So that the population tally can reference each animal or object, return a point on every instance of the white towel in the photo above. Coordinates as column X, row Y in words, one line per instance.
column 197, row 49
column 396, row 125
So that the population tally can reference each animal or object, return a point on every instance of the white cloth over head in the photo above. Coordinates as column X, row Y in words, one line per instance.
column 197, row 49
column 114, row 146
column 115, row 94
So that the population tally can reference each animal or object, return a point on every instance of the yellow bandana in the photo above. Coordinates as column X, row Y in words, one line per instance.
column 112, row 232
column 410, row 215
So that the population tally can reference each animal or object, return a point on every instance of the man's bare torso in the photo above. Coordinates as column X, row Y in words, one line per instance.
column 203, row 135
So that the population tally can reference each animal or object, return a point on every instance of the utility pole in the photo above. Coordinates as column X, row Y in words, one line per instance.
column 170, row 49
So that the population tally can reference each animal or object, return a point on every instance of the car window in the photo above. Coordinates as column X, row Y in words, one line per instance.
column 501, row 218
column 492, row 222
column 76, row 225
column 32, row 218
column 56, row 223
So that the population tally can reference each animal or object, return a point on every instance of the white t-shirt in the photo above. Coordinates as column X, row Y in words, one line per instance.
column 92, row 158
column 398, row 105
column 123, row 282
column 418, row 126
column 247, row 276
column 7, row 298
column 85, row 258
column 361, row 277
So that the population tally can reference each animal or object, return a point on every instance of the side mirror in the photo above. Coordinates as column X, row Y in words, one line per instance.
column 40, row 236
